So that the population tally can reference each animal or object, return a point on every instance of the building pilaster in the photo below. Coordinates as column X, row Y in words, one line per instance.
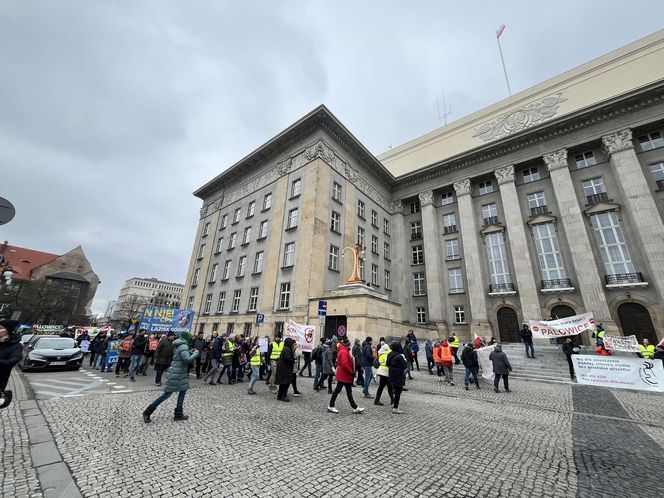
column 641, row 209
column 398, row 247
column 434, row 276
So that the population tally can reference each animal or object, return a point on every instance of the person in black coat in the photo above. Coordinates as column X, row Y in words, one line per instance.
column 501, row 367
column 569, row 348
column 284, row 374
column 10, row 355
column 396, row 362
column 527, row 338
column 470, row 361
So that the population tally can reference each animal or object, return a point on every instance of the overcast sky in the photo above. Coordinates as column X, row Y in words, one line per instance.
column 112, row 113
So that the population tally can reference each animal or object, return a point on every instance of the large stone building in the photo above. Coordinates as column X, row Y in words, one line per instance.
column 547, row 203
column 137, row 293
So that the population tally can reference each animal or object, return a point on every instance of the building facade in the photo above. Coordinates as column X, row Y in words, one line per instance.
column 547, row 204
column 137, row 293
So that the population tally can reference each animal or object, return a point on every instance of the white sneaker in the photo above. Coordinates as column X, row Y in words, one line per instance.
column 359, row 409
column 332, row 409
column 397, row 411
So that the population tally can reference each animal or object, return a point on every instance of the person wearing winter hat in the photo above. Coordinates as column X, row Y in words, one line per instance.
column 178, row 378
column 10, row 355
column 383, row 374
column 396, row 362
column 345, row 374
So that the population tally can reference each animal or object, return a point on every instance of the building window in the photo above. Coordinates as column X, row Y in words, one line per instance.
column 530, row 175
column 220, row 242
column 386, row 226
column 388, row 283
column 485, row 187
column 292, row 218
column 386, row 251
column 208, row 304
column 419, row 284
column 374, row 244
column 447, row 198
column 374, row 275
column 333, row 260
column 201, row 251
column 253, row 299
column 594, row 190
column 456, row 280
column 335, row 222
column 417, row 255
column 459, row 315
column 247, row 329
column 224, row 222
column 452, row 249
column 230, row 327
column 289, row 254
column 279, row 328
column 415, row 230
column 548, row 252
column 206, row 229
column 360, row 267
column 296, row 188
column 258, row 262
column 227, row 270
column 495, row 247
column 585, row 160
column 360, row 236
column 197, row 273
column 612, row 246
column 231, row 240
column 262, row 230
column 190, row 303
column 236, row 216
column 537, row 203
column 651, row 141
column 241, row 266
column 449, row 223
column 490, row 214
column 421, row 314
column 246, row 236
column 221, row 302
column 251, row 208
column 657, row 171
column 336, row 191
column 284, row 296
column 236, row 301
column 213, row 273
column 361, row 209
column 374, row 219
column 267, row 201
column 414, row 207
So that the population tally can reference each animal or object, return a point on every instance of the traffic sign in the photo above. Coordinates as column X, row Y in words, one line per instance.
column 322, row 308
column 341, row 330
column 260, row 319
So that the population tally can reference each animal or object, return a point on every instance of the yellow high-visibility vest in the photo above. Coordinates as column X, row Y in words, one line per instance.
column 277, row 347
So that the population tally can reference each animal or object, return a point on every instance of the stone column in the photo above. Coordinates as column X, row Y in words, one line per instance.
column 432, row 267
column 585, row 268
column 471, row 257
column 398, row 241
column 523, row 267
column 641, row 209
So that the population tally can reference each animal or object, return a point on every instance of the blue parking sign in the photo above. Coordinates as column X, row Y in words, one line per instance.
column 260, row 319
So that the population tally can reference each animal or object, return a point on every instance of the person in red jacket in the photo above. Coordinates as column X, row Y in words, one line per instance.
column 345, row 374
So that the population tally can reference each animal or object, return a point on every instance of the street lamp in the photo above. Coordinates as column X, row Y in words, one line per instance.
column 358, row 251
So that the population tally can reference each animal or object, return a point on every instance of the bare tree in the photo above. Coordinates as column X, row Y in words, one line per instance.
column 130, row 309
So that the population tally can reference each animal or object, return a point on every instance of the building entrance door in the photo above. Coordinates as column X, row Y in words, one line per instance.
column 562, row 311
column 508, row 325
column 635, row 319
column 335, row 325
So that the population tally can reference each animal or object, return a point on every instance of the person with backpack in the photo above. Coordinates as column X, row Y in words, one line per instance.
column 397, row 364
column 470, row 361
column 383, row 373
column 124, row 356
column 447, row 362
column 317, row 358
column 328, row 367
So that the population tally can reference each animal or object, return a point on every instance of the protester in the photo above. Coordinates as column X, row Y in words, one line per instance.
column 284, row 370
column 492, row 341
column 569, row 348
column 102, row 352
column 647, row 349
column 328, row 366
column 317, row 357
column 428, row 351
column 659, row 353
column 438, row 360
column 447, row 362
column 478, row 343
column 215, row 360
column 275, row 350
column 148, row 356
column 177, row 379
column 255, row 360
column 357, row 356
column 227, row 353
column 10, row 354
column 345, row 374
column 501, row 367
column 472, row 365
column 408, row 354
column 527, row 338
column 124, row 356
column 85, row 346
column 601, row 350
column 199, row 344
column 237, row 360
column 306, row 355
column 397, row 364
column 296, row 392
column 383, row 375
column 137, row 350
column 415, row 348
column 367, row 365
column 163, row 356
column 453, row 342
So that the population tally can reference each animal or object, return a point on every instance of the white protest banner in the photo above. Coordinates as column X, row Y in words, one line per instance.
column 629, row 344
column 262, row 344
column 485, row 362
column 572, row 325
column 619, row 371
column 303, row 335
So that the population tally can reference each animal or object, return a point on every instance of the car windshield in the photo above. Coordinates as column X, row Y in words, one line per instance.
column 56, row 343
column 26, row 337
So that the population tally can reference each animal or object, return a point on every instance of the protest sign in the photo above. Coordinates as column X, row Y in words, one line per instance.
column 160, row 319
column 262, row 344
column 572, row 325
column 485, row 362
column 629, row 344
column 303, row 335
column 619, row 371
column 112, row 352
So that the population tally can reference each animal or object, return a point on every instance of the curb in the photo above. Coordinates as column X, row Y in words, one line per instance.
column 54, row 475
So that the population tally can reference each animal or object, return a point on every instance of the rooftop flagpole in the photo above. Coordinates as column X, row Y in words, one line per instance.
column 500, row 49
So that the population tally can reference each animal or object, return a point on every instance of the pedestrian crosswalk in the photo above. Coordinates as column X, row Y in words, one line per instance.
column 72, row 384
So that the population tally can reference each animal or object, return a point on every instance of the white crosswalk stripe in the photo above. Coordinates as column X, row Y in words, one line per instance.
column 71, row 385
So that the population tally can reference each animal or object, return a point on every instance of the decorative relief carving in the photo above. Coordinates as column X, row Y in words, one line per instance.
column 426, row 198
column 319, row 149
column 396, row 207
column 462, row 187
column 556, row 160
column 618, row 141
column 521, row 118
column 284, row 167
column 505, row 175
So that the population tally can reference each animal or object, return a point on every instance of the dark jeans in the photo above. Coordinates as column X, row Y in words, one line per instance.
column 329, row 378
column 318, row 375
column 179, row 407
column 496, row 380
column 160, row 369
column 4, row 378
column 397, row 395
column 229, row 372
column 283, row 391
column 456, row 358
column 349, row 393
column 122, row 365
column 93, row 357
column 471, row 376
column 307, row 364
column 529, row 346
column 417, row 363
column 384, row 382
column 430, row 363
column 294, row 384
column 571, row 366
column 198, row 366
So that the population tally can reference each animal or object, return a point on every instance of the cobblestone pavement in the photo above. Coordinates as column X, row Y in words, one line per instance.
column 449, row 442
